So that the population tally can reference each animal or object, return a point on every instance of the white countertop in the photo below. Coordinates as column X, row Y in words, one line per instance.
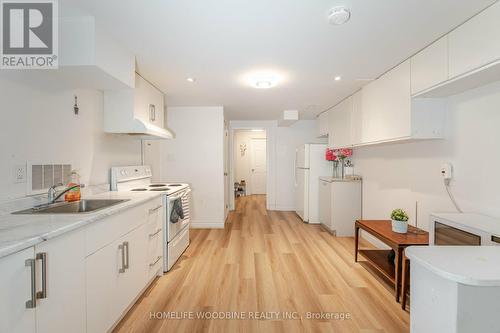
column 332, row 179
column 19, row 232
column 468, row 265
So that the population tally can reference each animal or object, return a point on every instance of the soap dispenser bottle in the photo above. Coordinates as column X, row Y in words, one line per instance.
column 74, row 194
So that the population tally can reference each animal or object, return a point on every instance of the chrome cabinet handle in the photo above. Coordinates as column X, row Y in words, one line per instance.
column 43, row 257
column 152, row 112
column 152, row 210
column 155, row 262
column 155, row 233
column 125, row 245
column 31, row 303
column 121, row 247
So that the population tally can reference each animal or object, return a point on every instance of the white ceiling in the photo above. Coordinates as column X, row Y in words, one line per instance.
column 219, row 41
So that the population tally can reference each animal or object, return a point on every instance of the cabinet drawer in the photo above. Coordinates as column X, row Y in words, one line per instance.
column 104, row 232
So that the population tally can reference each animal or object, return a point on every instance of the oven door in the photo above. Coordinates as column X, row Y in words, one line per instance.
column 173, row 229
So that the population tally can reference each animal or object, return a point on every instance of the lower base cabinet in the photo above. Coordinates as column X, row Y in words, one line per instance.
column 42, row 288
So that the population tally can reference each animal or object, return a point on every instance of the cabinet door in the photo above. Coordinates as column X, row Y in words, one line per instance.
column 475, row 43
column 356, row 118
column 340, row 125
column 429, row 67
column 387, row 106
column 325, row 204
column 141, row 96
column 115, row 276
column 148, row 104
column 15, row 290
column 155, row 241
column 62, row 309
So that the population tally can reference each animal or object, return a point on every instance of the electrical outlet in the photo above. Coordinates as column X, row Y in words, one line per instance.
column 446, row 169
column 19, row 174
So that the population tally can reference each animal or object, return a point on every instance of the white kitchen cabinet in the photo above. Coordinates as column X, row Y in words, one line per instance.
column 118, row 265
column 148, row 102
column 387, row 106
column 356, row 118
column 429, row 67
column 340, row 205
column 322, row 123
column 475, row 43
column 16, row 282
column 89, row 58
column 63, row 307
column 340, row 124
column 58, row 303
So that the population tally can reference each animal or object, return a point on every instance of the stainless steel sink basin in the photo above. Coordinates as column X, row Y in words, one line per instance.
column 76, row 207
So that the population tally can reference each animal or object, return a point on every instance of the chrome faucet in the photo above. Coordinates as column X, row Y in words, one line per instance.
column 52, row 195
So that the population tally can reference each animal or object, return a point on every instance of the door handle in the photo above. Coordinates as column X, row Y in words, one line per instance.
column 43, row 257
column 31, row 303
column 122, row 249
column 125, row 245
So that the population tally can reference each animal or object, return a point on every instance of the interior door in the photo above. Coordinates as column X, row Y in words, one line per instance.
column 259, row 166
column 301, row 193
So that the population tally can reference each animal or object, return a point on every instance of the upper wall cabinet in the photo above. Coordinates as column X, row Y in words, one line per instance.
column 322, row 125
column 89, row 58
column 473, row 56
column 475, row 43
column 430, row 66
column 340, row 124
column 385, row 112
column 139, row 112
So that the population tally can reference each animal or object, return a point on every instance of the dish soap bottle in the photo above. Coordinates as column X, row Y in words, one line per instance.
column 74, row 194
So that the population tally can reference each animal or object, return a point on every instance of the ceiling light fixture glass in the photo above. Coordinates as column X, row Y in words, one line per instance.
column 339, row 15
column 263, row 84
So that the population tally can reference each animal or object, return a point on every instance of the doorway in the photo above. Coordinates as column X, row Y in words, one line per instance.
column 250, row 162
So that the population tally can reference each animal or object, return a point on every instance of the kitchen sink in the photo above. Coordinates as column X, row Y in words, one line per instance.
column 76, row 207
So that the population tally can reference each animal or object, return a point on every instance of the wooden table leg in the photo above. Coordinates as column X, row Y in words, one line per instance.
column 356, row 243
column 397, row 274
column 405, row 281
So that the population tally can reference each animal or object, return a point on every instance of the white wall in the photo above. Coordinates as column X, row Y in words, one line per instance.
column 399, row 175
column 281, row 145
column 37, row 124
column 243, row 163
column 287, row 140
column 195, row 156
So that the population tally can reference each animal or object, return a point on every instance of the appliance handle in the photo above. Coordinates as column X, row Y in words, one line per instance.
column 122, row 249
column 125, row 246
column 295, row 168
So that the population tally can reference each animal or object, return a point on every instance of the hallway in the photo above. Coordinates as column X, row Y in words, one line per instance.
column 264, row 262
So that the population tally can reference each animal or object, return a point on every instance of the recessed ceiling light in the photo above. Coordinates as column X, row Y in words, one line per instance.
column 337, row 78
column 191, row 79
column 263, row 79
column 339, row 15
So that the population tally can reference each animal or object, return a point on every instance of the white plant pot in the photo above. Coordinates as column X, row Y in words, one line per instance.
column 400, row 227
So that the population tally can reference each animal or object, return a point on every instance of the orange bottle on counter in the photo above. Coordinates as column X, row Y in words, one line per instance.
column 74, row 194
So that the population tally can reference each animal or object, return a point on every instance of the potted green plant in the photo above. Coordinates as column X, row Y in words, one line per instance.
column 399, row 221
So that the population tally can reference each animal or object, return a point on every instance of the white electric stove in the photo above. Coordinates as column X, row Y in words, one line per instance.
column 137, row 179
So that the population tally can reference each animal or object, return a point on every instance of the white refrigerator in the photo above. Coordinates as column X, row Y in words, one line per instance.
column 310, row 164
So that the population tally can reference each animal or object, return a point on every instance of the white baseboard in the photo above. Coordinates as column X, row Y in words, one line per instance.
column 206, row 224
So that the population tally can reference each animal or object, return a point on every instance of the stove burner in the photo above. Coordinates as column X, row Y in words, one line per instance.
column 157, row 185
column 160, row 189
column 174, row 184
column 139, row 189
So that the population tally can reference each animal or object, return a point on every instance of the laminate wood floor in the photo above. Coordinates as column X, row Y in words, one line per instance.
column 264, row 262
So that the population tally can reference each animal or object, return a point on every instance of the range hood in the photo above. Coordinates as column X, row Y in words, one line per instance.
column 144, row 130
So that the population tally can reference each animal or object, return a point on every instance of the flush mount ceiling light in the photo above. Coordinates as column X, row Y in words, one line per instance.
column 262, row 79
column 337, row 78
column 339, row 15
column 191, row 79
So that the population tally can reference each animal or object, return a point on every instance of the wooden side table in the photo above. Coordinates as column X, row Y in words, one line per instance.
column 382, row 230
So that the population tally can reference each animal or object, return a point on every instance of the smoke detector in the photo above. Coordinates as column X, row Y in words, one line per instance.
column 339, row 15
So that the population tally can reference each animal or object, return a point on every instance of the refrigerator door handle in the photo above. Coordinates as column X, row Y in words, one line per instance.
column 295, row 168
